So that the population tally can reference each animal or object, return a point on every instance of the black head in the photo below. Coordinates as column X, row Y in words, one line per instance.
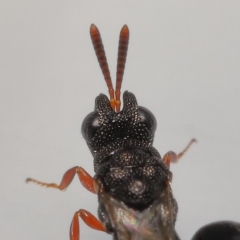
column 106, row 131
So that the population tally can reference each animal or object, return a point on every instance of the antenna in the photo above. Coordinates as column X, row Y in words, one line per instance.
column 101, row 56
column 122, row 55
column 100, row 53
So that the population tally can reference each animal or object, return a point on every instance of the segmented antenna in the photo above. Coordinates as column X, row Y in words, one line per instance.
column 122, row 54
column 100, row 53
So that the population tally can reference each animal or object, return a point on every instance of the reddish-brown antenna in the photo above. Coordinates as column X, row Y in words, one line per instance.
column 122, row 54
column 100, row 53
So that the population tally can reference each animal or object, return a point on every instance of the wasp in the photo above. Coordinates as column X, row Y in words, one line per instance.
column 132, row 180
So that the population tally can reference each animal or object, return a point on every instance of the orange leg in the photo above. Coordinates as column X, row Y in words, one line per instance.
column 172, row 157
column 89, row 219
column 86, row 180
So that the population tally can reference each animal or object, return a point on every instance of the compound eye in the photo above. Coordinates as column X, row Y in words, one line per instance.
column 148, row 118
column 90, row 126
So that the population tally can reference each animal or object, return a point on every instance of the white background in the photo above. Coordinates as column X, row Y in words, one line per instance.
column 183, row 64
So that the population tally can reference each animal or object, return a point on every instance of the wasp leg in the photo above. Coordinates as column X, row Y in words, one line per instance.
column 186, row 148
column 173, row 157
column 86, row 180
column 169, row 157
column 89, row 219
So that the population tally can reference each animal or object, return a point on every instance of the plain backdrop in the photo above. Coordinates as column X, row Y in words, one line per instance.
column 182, row 64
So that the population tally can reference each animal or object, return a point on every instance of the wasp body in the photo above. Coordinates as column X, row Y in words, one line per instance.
column 136, row 200
column 132, row 180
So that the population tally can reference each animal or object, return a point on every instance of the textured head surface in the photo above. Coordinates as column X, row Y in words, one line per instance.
column 106, row 131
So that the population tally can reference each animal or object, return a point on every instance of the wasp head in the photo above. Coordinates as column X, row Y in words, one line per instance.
column 106, row 131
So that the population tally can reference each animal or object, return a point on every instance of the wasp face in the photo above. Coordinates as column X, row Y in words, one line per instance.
column 107, row 131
